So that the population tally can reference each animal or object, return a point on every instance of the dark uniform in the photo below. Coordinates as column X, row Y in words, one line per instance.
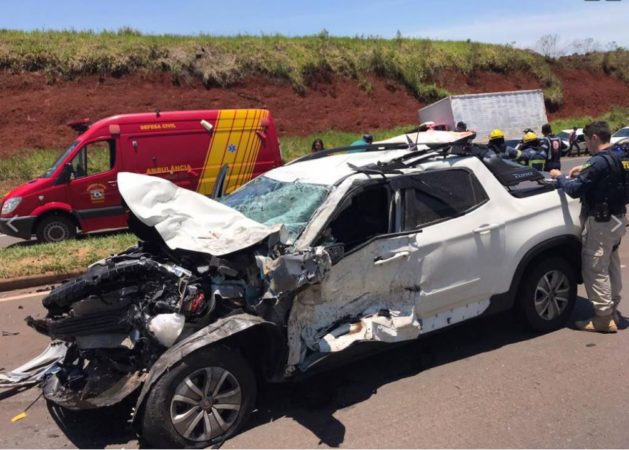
column 552, row 145
column 500, row 148
column 601, row 187
column 532, row 156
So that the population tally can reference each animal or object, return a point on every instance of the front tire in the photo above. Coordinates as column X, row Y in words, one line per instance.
column 201, row 401
column 55, row 228
column 547, row 294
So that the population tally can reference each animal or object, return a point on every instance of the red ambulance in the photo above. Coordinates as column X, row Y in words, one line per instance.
column 189, row 148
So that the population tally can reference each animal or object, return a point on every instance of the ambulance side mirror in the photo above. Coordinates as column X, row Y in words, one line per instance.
column 66, row 174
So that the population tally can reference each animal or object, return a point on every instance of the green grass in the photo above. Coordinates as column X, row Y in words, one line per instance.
column 24, row 166
column 223, row 61
column 63, row 257
column 616, row 118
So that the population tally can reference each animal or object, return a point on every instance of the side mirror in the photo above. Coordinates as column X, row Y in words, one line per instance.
column 336, row 252
column 66, row 174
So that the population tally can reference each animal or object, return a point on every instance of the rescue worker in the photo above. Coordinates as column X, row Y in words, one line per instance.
column 552, row 146
column 530, row 153
column 497, row 141
column 600, row 184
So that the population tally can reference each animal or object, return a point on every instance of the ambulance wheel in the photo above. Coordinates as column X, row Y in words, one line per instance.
column 55, row 228
column 547, row 294
column 201, row 401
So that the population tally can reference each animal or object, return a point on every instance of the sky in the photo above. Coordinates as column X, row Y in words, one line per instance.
column 520, row 23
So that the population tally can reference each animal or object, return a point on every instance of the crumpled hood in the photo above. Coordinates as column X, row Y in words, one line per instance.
column 190, row 221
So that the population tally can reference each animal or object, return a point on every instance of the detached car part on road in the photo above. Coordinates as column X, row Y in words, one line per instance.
column 337, row 251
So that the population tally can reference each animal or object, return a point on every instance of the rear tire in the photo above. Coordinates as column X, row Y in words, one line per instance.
column 176, row 416
column 547, row 294
column 55, row 228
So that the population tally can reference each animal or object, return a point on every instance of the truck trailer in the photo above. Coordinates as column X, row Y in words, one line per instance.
column 511, row 111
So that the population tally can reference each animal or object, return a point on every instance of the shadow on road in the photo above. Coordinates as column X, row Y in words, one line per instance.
column 312, row 402
column 95, row 428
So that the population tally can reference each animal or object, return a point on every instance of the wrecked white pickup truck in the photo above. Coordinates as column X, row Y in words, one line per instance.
column 344, row 249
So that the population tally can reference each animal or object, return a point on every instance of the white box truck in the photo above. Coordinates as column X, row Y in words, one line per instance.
column 511, row 111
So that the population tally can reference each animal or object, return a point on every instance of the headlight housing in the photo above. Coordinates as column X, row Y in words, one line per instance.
column 9, row 206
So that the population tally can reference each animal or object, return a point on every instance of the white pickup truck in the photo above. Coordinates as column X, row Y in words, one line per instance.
column 338, row 251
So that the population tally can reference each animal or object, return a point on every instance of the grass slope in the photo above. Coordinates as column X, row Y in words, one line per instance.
column 223, row 61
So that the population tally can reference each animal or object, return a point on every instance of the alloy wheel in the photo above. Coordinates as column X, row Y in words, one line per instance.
column 206, row 404
column 552, row 294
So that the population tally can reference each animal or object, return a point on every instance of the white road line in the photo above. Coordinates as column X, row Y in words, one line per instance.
column 20, row 297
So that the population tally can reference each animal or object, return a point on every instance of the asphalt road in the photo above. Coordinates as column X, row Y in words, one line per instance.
column 486, row 383
column 6, row 241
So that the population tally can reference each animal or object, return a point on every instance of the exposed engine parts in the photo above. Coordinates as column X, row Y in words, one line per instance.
column 124, row 312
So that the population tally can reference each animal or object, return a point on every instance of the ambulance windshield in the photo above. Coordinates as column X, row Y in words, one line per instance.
column 60, row 160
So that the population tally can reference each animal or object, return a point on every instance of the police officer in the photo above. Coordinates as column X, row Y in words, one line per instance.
column 600, row 183
column 552, row 146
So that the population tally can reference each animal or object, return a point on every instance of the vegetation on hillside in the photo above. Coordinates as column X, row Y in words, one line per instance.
column 614, row 62
column 223, row 61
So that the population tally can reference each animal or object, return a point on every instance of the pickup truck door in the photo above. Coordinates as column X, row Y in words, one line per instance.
column 459, row 244
column 437, row 254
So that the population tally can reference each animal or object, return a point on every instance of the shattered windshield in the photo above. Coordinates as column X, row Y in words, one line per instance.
column 272, row 202
column 59, row 160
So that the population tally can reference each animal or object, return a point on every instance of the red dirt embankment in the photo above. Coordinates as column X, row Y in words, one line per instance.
column 33, row 112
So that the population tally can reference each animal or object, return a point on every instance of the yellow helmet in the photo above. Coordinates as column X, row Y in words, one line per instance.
column 496, row 134
column 529, row 137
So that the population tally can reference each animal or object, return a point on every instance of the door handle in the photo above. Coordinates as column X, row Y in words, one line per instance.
column 392, row 258
column 484, row 229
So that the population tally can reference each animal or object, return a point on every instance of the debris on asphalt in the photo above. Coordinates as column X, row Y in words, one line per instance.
column 23, row 414
column 19, row 417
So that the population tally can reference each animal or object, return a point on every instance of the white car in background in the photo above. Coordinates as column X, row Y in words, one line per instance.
column 620, row 135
